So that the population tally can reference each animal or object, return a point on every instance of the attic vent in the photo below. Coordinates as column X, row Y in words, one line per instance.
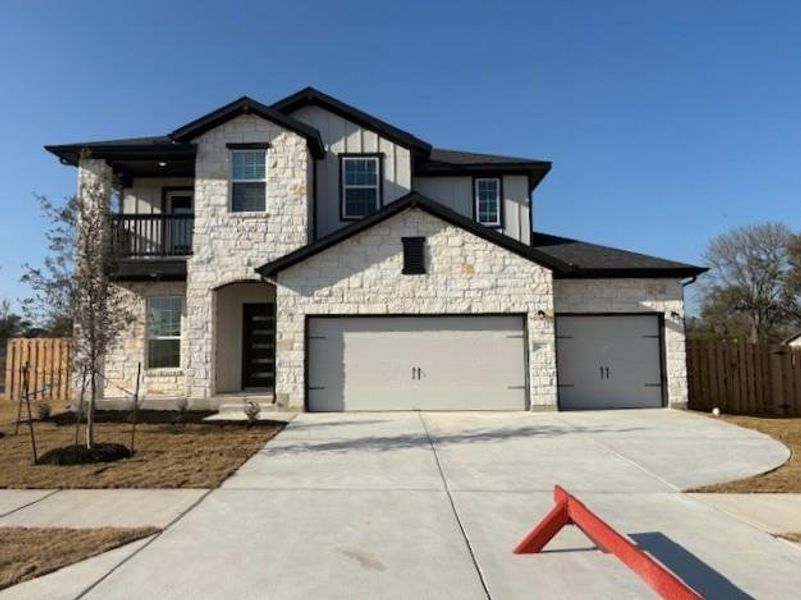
column 413, row 255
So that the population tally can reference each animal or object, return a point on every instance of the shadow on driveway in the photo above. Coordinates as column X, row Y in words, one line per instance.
column 696, row 573
column 417, row 440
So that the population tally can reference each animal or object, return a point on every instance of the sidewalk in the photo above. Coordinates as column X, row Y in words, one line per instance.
column 772, row 513
column 94, row 508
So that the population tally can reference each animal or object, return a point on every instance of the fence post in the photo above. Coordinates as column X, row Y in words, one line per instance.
column 776, row 381
column 26, row 386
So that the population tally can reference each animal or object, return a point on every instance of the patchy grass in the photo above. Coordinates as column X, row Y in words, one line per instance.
column 28, row 552
column 168, row 454
column 784, row 480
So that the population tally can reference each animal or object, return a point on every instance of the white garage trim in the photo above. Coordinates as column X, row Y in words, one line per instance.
column 510, row 357
column 659, row 318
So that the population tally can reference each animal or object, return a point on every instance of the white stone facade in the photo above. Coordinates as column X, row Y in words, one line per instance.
column 130, row 349
column 465, row 274
column 228, row 246
column 636, row 296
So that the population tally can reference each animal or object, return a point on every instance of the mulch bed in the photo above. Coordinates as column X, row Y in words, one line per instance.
column 78, row 454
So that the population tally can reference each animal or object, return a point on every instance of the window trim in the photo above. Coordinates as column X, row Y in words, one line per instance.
column 149, row 337
column 499, row 223
column 343, row 157
column 232, row 180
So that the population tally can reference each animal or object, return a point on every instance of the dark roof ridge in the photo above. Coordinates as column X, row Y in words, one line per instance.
column 313, row 96
column 414, row 200
column 245, row 105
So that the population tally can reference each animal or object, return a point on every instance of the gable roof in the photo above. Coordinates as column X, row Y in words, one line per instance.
column 414, row 200
column 311, row 96
column 245, row 105
column 594, row 261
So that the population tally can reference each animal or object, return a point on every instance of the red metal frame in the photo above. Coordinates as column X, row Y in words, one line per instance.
column 570, row 510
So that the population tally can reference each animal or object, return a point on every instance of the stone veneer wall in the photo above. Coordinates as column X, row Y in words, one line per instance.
column 227, row 246
column 130, row 349
column 635, row 295
column 465, row 275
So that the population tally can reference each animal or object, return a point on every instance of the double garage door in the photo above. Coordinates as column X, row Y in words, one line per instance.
column 478, row 362
column 416, row 363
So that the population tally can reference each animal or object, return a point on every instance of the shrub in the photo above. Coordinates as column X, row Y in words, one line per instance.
column 252, row 410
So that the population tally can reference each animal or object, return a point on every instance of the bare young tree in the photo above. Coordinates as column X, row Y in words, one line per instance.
column 100, row 308
column 750, row 282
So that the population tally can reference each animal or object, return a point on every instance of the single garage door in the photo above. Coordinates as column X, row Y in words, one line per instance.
column 416, row 363
column 609, row 361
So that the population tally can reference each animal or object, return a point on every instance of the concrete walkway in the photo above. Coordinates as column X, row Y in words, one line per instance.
column 774, row 513
column 94, row 508
column 409, row 505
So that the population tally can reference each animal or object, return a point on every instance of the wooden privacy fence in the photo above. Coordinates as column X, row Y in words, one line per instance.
column 48, row 361
column 744, row 378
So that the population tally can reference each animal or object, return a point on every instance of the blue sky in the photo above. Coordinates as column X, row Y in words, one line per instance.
column 667, row 123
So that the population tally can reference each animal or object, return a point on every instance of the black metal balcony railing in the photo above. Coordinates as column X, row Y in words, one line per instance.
column 152, row 235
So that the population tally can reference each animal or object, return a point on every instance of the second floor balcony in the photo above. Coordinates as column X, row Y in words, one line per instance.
column 152, row 235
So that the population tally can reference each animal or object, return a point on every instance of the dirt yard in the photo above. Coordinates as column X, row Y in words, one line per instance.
column 787, row 478
column 28, row 552
column 168, row 454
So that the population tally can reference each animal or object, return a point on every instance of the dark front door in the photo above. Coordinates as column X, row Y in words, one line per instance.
column 258, row 345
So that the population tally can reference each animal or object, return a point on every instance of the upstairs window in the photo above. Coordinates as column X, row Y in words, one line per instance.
column 164, row 332
column 248, row 180
column 488, row 201
column 361, row 186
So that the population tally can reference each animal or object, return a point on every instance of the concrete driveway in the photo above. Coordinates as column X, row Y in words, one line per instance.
column 408, row 505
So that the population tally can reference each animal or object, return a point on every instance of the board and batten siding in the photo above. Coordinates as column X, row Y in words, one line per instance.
column 457, row 194
column 145, row 195
column 342, row 136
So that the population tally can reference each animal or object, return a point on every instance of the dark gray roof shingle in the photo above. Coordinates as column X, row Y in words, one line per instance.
column 460, row 157
column 594, row 260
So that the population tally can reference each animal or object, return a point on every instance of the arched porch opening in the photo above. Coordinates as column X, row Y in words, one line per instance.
column 245, row 340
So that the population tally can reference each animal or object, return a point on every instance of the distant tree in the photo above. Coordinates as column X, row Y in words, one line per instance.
column 752, row 288
column 50, row 305
column 11, row 324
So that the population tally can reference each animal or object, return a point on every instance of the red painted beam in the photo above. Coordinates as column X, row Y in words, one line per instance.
column 570, row 510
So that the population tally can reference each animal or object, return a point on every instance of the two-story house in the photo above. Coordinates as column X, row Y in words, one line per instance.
column 311, row 253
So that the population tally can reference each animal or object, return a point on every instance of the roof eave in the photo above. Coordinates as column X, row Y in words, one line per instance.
column 536, row 170
column 635, row 273
column 69, row 154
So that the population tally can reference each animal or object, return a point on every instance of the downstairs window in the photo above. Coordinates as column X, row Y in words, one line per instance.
column 164, row 332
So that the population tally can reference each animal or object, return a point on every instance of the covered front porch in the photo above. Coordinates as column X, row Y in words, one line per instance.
column 244, row 350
